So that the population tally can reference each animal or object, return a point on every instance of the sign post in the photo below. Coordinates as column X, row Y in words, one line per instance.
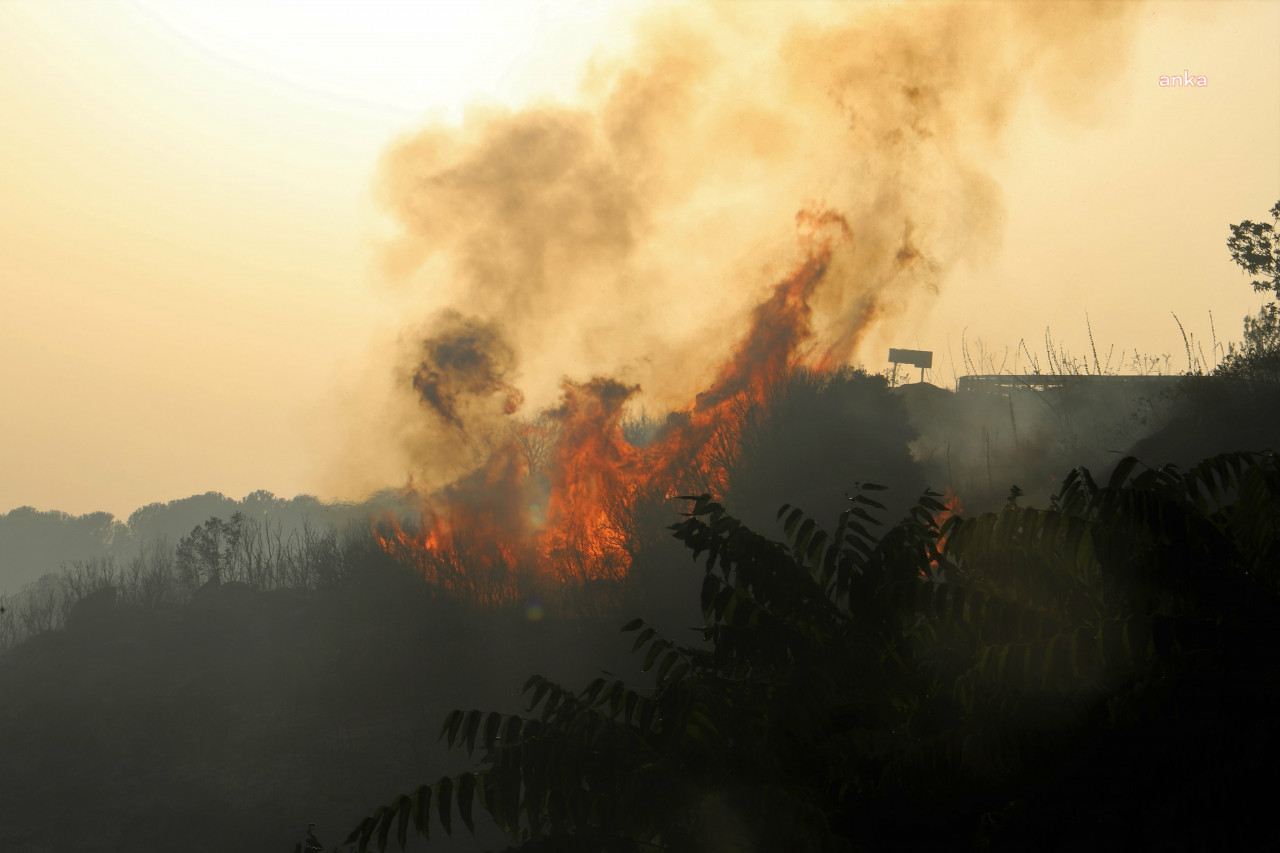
column 914, row 357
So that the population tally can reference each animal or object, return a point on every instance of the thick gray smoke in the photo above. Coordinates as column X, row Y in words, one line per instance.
column 631, row 232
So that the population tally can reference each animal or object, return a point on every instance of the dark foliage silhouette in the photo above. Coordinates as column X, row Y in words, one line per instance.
column 1255, row 248
column 1091, row 674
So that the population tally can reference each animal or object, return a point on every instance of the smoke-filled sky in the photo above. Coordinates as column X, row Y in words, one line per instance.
column 226, row 230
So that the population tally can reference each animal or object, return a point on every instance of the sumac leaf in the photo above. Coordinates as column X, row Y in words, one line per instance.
column 444, row 803
column 473, row 726
column 644, row 637
column 404, row 811
column 492, row 725
column 361, row 834
column 422, row 810
column 388, row 817
column 451, row 724
column 466, row 793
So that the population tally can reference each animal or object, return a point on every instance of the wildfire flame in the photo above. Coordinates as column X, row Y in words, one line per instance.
column 572, row 522
column 678, row 157
column 950, row 507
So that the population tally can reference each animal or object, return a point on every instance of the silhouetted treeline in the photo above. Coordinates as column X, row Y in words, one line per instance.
column 240, row 552
column 34, row 542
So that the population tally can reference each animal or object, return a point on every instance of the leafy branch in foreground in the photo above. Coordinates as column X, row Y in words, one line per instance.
column 846, row 697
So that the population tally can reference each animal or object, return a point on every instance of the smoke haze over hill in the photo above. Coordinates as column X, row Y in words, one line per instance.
column 629, row 234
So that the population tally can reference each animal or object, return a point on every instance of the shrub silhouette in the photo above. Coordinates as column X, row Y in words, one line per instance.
column 1092, row 672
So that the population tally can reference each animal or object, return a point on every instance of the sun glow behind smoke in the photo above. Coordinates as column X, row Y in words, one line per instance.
column 384, row 55
column 646, row 234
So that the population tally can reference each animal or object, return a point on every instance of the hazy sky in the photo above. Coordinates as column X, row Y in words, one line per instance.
column 190, row 247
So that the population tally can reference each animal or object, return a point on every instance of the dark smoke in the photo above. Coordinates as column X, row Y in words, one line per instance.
column 464, row 363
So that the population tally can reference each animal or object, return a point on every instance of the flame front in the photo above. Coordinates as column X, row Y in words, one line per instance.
column 512, row 528
column 634, row 212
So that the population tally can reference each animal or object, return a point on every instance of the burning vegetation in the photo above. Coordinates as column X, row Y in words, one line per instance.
column 565, row 512
column 635, row 250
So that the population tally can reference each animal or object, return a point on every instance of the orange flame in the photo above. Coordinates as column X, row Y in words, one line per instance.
column 508, row 531
column 950, row 507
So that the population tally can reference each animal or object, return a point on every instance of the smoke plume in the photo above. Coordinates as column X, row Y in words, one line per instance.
column 746, row 189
